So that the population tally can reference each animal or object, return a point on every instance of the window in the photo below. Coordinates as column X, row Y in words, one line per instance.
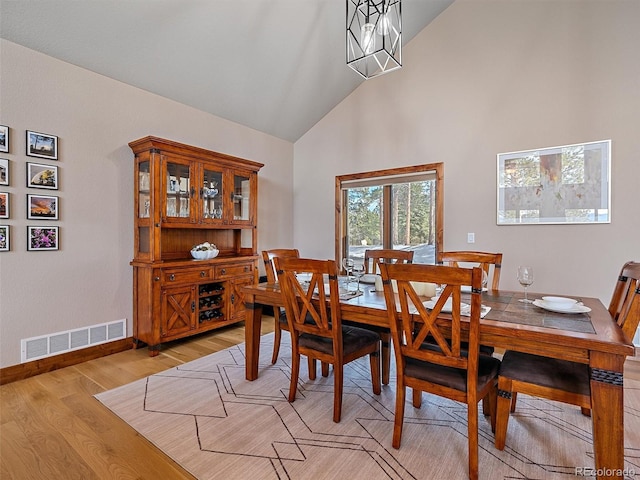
column 398, row 208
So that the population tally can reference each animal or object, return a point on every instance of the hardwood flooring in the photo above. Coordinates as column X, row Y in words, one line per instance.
column 51, row 427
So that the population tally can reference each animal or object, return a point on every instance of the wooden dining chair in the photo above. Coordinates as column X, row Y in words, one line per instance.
column 563, row 380
column 278, row 311
column 442, row 368
column 315, row 323
column 491, row 263
column 372, row 260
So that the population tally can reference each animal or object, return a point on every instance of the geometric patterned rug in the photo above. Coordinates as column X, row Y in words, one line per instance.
column 217, row 425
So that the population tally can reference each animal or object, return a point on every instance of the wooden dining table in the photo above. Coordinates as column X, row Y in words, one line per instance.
column 592, row 338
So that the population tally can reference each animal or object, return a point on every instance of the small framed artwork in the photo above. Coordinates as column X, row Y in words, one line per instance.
column 42, row 207
column 42, row 238
column 4, row 238
column 42, row 176
column 4, row 138
column 42, row 145
column 4, row 205
column 4, row 171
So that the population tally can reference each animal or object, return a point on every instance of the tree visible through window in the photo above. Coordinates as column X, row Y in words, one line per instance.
column 396, row 208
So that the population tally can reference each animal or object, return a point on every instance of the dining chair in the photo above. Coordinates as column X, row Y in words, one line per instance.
column 374, row 257
column 491, row 263
column 315, row 322
column 372, row 260
column 278, row 311
column 442, row 368
column 562, row 380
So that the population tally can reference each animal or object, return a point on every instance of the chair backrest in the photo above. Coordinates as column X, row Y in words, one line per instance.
column 269, row 255
column 410, row 332
column 311, row 306
column 483, row 259
column 373, row 258
column 625, row 301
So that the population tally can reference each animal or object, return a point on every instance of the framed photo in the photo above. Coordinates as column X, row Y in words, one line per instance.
column 4, row 238
column 4, row 138
column 570, row 184
column 4, row 205
column 4, row 171
column 42, row 207
column 42, row 238
column 42, row 176
column 42, row 145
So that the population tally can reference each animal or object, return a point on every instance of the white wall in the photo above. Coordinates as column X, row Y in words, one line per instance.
column 488, row 77
column 89, row 280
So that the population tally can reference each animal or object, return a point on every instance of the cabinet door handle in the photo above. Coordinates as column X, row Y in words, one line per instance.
column 193, row 306
column 224, row 271
column 203, row 274
column 193, row 191
column 202, row 193
column 172, row 277
column 157, row 279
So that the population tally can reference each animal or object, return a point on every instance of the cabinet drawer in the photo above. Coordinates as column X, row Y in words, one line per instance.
column 233, row 270
column 186, row 275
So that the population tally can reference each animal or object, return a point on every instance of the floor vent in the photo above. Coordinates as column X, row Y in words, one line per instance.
column 60, row 342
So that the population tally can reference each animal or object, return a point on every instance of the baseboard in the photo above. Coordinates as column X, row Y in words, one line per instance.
column 36, row 367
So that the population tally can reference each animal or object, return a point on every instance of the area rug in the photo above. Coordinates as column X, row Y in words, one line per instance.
column 216, row 425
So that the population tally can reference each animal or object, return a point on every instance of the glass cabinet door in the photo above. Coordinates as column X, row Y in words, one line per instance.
column 241, row 197
column 144, row 190
column 212, row 195
column 178, row 188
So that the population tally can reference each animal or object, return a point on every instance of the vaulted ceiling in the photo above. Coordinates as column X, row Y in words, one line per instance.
column 277, row 66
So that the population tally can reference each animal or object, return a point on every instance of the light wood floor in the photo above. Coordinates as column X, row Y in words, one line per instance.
column 52, row 428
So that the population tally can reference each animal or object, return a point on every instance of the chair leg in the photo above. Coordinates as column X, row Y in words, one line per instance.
column 385, row 340
column 472, row 432
column 311, row 363
column 502, row 412
column 276, row 340
column 399, row 415
column 324, row 368
column 295, row 373
column 493, row 405
column 374, row 364
column 585, row 411
column 514, row 398
column 417, row 398
column 338, row 381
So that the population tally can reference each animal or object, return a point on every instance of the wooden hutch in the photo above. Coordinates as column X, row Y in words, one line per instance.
column 185, row 196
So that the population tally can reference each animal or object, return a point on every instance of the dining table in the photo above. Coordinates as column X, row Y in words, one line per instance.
column 591, row 338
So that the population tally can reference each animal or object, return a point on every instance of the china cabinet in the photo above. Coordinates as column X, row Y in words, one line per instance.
column 185, row 196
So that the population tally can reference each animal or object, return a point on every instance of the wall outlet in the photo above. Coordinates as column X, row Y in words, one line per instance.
column 471, row 237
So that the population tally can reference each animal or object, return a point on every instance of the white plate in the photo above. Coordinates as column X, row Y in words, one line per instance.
column 368, row 278
column 575, row 308
column 447, row 305
column 467, row 289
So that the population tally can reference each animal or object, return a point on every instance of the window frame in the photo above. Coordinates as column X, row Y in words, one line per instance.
column 412, row 173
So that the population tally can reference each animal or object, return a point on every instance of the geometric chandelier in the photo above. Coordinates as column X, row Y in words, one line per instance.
column 374, row 36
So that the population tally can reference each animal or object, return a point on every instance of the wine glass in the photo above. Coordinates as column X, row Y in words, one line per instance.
column 525, row 277
column 358, row 272
column 347, row 264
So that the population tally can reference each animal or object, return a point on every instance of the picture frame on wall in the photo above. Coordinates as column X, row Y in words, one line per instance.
column 42, row 238
column 568, row 184
column 42, row 176
column 42, row 145
column 4, row 138
column 4, row 204
column 4, row 171
column 42, row 207
column 4, row 238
